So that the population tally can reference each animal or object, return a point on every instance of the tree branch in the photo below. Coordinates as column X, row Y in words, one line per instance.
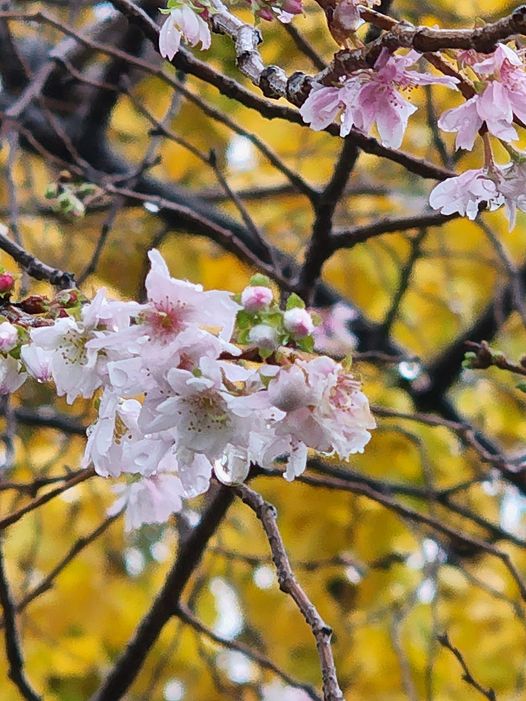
column 288, row 583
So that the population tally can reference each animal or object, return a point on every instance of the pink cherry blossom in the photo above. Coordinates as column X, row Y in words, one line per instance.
column 465, row 120
column 465, row 193
column 174, row 406
column 502, row 99
column 115, row 444
column 37, row 362
column 183, row 23
column 74, row 366
column 176, row 304
column 11, row 375
column 333, row 335
column 324, row 104
column 371, row 96
column 150, row 500
column 347, row 13
column 380, row 100
column 512, row 187
column 320, row 407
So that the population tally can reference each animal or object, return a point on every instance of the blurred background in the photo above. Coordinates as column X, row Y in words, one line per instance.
column 387, row 583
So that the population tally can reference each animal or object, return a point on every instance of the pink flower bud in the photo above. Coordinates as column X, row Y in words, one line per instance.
column 265, row 13
column 293, row 7
column 255, row 299
column 264, row 336
column 7, row 282
column 298, row 322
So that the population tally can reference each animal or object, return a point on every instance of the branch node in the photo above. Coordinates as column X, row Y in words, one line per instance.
column 273, row 82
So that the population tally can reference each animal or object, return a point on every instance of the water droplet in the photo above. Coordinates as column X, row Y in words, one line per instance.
column 233, row 467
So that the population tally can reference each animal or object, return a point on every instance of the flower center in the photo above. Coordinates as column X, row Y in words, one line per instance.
column 73, row 348
column 166, row 320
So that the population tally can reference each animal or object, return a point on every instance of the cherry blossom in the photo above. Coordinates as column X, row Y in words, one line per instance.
column 466, row 193
column 502, row 99
column 324, row 104
column 492, row 187
column 76, row 367
column 8, row 336
column 372, row 96
column 37, row 362
column 380, row 100
column 183, row 23
column 149, row 500
column 512, row 187
column 174, row 404
column 173, row 306
column 11, row 374
column 320, row 407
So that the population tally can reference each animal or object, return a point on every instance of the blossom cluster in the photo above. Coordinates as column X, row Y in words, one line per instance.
column 371, row 96
column 499, row 102
column 188, row 384
column 375, row 96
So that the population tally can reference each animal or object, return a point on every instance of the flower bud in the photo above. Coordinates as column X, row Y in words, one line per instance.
column 293, row 7
column 255, row 299
column 67, row 298
column 8, row 336
column 35, row 304
column 264, row 336
column 265, row 13
column 298, row 322
column 7, row 282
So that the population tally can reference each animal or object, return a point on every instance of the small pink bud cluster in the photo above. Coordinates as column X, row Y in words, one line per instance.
column 264, row 325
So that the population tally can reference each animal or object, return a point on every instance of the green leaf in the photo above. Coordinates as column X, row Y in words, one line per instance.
column 306, row 344
column 295, row 302
column 259, row 280
column 522, row 386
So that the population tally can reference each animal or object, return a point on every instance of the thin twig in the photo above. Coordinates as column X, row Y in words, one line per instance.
column 184, row 613
column 288, row 583
column 12, row 640
column 466, row 676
